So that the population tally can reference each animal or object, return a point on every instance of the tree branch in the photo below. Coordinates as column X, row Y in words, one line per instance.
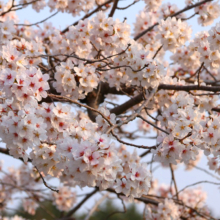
column 97, row 203
column 28, row 25
column 44, row 182
column 71, row 212
column 139, row 98
column 174, row 181
column 114, row 7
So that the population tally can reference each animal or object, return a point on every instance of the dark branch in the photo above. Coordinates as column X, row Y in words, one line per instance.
column 28, row 25
column 114, row 7
column 71, row 212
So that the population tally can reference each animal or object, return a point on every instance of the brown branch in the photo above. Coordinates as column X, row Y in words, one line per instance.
column 154, row 201
column 190, row 77
column 199, row 71
column 204, row 181
column 216, row 109
column 28, row 25
column 184, row 19
column 125, row 106
column 87, row 60
column 158, row 50
column 138, row 111
column 4, row 151
column 188, row 88
column 144, row 198
column 204, row 170
column 63, row 98
column 71, row 212
column 44, row 182
column 145, row 153
column 14, row 6
column 128, row 6
column 139, row 98
column 114, row 7
column 97, row 96
column 180, row 202
column 118, row 212
column 155, row 126
column 97, row 203
column 174, row 181
column 130, row 144
column 210, row 74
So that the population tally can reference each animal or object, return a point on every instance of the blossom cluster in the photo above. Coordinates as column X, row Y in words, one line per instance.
column 204, row 48
column 208, row 12
column 27, row 181
column 22, row 179
column 189, row 129
column 173, row 33
column 100, row 164
column 66, row 80
column 80, row 74
column 85, row 157
column 153, row 39
column 64, row 199
column 213, row 164
column 168, row 209
column 37, row 64
column 152, row 5
column 72, row 7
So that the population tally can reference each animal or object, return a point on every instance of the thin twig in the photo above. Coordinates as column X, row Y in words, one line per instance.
column 205, row 171
column 14, row 6
column 130, row 144
column 199, row 71
column 71, row 212
column 59, row 97
column 133, row 116
column 28, row 25
column 210, row 74
column 145, row 153
column 199, row 182
column 128, row 6
column 114, row 7
column 158, row 50
column 45, row 183
column 139, row 116
column 174, row 181
column 184, row 19
column 97, row 203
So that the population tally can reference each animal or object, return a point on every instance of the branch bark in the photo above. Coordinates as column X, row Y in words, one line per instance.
column 87, row 15
column 114, row 7
column 139, row 98
column 71, row 212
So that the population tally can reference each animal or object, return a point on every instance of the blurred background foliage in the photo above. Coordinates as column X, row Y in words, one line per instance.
column 106, row 211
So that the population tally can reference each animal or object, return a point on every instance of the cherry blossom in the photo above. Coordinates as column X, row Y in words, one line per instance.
column 69, row 97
